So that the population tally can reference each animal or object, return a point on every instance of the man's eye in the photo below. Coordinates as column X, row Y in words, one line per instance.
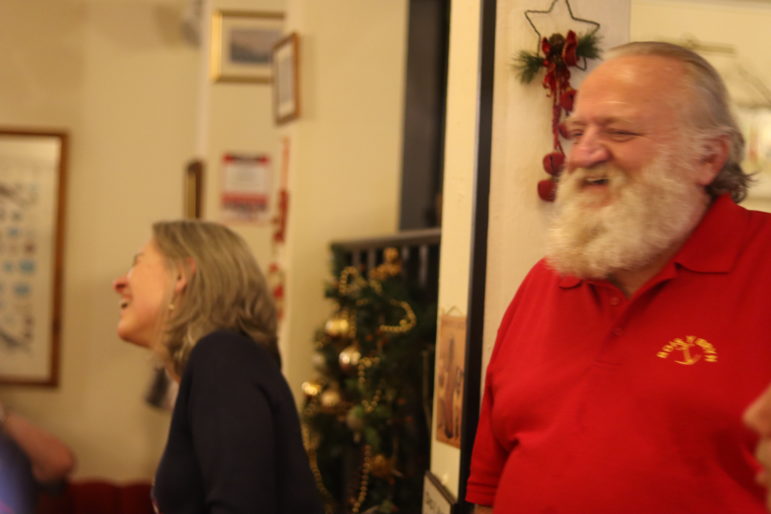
column 575, row 135
column 621, row 135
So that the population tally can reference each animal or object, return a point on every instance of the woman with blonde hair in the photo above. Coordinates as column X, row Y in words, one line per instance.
column 196, row 297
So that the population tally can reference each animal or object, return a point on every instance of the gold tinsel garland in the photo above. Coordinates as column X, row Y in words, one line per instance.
column 343, row 324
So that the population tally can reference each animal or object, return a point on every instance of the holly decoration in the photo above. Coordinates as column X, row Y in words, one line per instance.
column 557, row 55
column 364, row 417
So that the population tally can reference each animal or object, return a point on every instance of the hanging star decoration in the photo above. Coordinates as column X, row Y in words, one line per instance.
column 556, row 54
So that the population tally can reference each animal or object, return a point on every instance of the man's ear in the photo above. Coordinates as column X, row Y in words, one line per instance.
column 713, row 157
column 184, row 273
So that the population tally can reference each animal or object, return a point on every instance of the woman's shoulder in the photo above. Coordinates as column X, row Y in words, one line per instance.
column 231, row 347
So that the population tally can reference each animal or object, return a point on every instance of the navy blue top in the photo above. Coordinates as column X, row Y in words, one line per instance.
column 234, row 443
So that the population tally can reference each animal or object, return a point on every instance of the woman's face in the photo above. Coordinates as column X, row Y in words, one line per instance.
column 145, row 293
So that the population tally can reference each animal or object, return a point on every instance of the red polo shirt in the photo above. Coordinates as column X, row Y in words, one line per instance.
column 597, row 403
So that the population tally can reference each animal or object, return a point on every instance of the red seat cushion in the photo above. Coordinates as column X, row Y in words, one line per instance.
column 98, row 497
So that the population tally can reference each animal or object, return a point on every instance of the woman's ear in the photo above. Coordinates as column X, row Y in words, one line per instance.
column 184, row 273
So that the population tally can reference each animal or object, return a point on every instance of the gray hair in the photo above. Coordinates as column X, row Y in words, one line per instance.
column 225, row 289
column 708, row 110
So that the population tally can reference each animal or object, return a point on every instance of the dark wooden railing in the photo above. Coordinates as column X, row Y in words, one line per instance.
column 419, row 250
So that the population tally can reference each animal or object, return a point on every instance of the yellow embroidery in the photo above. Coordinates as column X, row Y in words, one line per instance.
column 688, row 351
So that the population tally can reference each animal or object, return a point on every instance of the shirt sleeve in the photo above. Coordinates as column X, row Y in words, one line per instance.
column 232, row 428
column 489, row 456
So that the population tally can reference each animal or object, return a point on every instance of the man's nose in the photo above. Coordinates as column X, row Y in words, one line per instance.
column 588, row 151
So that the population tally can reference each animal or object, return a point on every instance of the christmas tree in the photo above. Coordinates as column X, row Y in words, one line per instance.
column 365, row 417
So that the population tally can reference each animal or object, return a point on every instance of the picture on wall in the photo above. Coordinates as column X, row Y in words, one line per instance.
column 286, row 94
column 32, row 168
column 450, row 376
column 242, row 45
column 246, row 188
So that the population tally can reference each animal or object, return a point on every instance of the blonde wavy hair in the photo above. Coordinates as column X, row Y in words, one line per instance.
column 225, row 289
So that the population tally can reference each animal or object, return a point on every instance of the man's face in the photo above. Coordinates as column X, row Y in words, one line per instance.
column 631, row 190
column 758, row 417
column 626, row 113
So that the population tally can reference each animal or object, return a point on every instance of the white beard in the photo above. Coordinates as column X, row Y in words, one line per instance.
column 639, row 218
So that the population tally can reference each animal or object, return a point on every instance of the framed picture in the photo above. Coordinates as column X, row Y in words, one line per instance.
column 242, row 45
column 246, row 187
column 194, row 189
column 286, row 94
column 436, row 498
column 450, row 375
column 32, row 171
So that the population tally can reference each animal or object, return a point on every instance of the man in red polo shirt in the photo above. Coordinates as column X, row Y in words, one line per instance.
column 628, row 354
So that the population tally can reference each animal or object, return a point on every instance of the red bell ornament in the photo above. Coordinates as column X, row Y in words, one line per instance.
column 567, row 98
column 547, row 190
column 553, row 162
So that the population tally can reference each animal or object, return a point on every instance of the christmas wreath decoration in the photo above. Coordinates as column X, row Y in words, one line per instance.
column 557, row 55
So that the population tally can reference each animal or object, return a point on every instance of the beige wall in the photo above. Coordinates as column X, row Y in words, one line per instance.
column 235, row 118
column 136, row 100
column 120, row 79
column 345, row 149
column 742, row 26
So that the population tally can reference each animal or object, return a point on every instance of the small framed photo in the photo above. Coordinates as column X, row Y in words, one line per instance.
column 286, row 83
column 450, row 377
column 194, row 189
column 242, row 45
column 32, row 170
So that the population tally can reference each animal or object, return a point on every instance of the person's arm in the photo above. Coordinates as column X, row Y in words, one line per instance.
column 481, row 509
column 51, row 459
column 758, row 417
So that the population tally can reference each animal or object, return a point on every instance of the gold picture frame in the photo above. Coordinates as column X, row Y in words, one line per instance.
column 32, row 196
column 194, row 172
column 286, row 79
column 242, row 45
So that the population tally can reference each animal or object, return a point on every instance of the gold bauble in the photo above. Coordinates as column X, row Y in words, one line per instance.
column 355, row 419
column 319, row 362
column 311, row 388
column 330, row 399
column 349, row 358
column 381, row 466
column 338, row 326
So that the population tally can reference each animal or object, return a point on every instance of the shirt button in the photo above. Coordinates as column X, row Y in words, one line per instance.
column 615, row 301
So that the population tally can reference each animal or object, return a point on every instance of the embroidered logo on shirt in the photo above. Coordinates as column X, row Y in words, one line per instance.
column 688, row 351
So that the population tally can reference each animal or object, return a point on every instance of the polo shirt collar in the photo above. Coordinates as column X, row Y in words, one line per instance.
column 712, row 247
column 715, row 243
